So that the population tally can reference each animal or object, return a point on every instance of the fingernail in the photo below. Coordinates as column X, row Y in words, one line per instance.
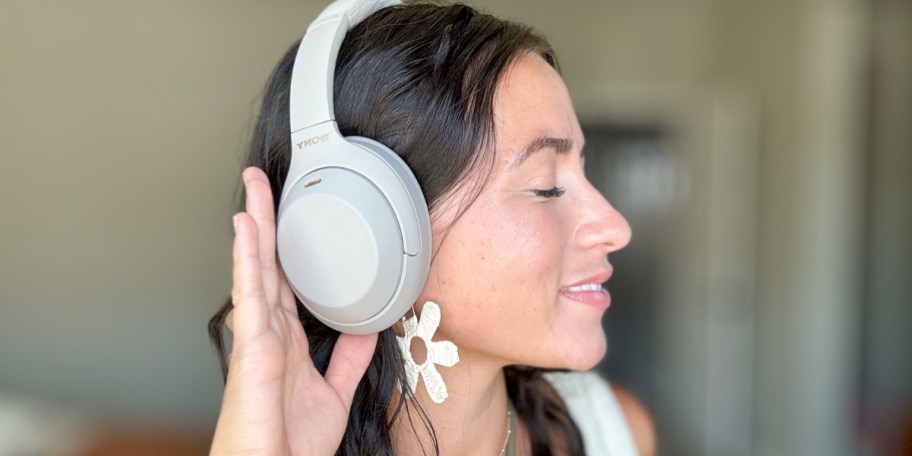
column 234, row 222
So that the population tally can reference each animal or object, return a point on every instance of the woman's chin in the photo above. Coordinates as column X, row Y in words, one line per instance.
column 592, row 359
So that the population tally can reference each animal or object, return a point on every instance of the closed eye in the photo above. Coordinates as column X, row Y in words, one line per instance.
column 550, row 193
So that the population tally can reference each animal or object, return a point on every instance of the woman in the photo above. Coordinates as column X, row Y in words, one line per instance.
column 476, row 108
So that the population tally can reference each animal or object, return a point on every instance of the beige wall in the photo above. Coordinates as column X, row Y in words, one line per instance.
column 121, row 129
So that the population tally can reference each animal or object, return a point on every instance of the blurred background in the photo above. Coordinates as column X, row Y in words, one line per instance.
column 762, row 151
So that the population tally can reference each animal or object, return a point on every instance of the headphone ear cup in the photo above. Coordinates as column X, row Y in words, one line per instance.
column 353, row 232
column 354, row 239
column 339, row 245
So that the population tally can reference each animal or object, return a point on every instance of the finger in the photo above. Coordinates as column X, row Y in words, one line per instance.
column 286, row 295
column 260, row 206
column 350, row 358
column 247, row 290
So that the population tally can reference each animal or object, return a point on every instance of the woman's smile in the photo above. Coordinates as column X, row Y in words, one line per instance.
column 593, row 295
column 590, row 291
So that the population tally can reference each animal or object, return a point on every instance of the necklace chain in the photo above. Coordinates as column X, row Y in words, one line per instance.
column 503, row 449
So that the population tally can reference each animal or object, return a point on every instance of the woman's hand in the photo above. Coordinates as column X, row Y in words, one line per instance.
column 275, row 401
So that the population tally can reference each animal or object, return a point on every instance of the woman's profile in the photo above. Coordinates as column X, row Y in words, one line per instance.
column 493, row 359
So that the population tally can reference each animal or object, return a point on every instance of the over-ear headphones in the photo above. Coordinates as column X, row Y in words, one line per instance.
column 353, row 231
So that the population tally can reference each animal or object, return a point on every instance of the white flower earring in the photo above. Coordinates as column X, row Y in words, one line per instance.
column 441, row 352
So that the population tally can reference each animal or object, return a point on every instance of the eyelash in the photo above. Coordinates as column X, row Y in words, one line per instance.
column 550, row 193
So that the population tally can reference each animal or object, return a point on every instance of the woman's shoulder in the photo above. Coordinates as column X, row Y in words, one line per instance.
column 612, row 420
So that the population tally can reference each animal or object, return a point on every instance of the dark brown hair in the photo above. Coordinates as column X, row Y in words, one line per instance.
column 420, row 79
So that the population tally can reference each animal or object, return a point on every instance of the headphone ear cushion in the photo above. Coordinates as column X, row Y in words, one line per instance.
column 339, row 245
column 354, row 246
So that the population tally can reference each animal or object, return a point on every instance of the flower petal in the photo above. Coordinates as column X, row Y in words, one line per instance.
column 443, row 353
column 411, row 375
column 410, row 326
column 434, row 383
column 405, row 349
column 430, row 320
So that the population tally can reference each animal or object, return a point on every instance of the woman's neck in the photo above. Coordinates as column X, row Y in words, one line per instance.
column 472, row 420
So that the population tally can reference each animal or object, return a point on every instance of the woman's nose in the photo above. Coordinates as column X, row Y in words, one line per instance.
column 600, row 224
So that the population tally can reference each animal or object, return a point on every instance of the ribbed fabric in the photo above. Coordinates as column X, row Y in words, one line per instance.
column 596, row 412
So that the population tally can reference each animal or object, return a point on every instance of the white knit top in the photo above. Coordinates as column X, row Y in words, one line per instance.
column 596, row 412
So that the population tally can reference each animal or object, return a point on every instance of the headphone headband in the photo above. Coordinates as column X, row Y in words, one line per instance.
column 311, row 100
column 353, row 232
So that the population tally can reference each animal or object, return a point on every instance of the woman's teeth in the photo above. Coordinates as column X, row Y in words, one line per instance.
column 586, row 287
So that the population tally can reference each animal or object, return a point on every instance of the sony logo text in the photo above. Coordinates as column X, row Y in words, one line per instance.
column 315, row 140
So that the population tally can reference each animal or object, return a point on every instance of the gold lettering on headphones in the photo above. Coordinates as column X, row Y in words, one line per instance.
column 312, row 141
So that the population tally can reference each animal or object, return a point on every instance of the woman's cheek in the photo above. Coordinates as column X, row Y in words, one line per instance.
column 536, row 240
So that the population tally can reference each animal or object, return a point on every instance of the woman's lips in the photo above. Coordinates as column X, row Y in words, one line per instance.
column 598, row 298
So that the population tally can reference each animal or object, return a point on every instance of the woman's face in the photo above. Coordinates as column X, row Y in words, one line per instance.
column 508, row 271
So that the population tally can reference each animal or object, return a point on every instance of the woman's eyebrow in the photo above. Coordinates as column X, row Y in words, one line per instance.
column 559, row 145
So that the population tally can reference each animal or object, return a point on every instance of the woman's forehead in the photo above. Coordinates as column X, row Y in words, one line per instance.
column 532, row 113
column 532, row 108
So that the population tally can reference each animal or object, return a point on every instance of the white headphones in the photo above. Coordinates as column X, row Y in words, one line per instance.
column 353, row 231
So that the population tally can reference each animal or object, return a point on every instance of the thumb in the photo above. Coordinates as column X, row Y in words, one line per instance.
column 350, row 358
